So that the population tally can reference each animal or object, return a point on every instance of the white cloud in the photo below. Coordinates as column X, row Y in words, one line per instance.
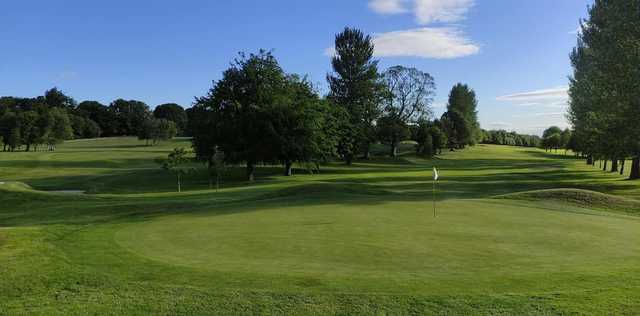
column 439, row 43
column 443, row 42
column 429, row 11
column 558, row 94
column 388, row 6
column 427, row 42
column 425, row 11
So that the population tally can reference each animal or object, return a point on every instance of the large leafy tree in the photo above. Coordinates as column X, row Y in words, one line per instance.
column 356, row 87
column 174, row 113
column 410, row 95
column 129, row 115
column 258, row 114
column 57, row 99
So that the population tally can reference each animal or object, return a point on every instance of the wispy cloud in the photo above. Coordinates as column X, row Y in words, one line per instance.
column 425, row 11
column 439, row 43
column 442, row 42
column 429, row 11
column 559, row 93
column 426, row 42
column 540, row 114
column 388, row 6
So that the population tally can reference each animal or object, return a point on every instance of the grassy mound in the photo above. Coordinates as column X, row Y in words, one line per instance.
column 583, row 198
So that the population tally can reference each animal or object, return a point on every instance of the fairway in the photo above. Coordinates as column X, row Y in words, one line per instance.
column 517, row 231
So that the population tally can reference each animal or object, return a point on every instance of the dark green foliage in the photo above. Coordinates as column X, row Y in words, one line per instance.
column 154, row 130
column 457, row 128
column 174, row 113
column 461, row 119
column 430, row 138
column 392, row 130
column 57, row 99
column 502, row 137
column 605, row 86
column 99, row 114
column 128, row 116
column 259, row 114
column 356, row 87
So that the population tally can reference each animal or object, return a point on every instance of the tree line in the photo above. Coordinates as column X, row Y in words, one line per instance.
column 260, row 114
column 604, row 90
column 54, row 117
column 502, row 137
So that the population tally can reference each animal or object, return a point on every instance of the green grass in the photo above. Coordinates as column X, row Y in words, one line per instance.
column 519, row 231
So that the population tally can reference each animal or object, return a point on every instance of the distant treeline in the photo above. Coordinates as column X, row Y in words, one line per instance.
column 54, row 117
column 502, row 137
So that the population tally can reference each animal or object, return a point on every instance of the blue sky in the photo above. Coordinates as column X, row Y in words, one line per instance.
column 513, row 53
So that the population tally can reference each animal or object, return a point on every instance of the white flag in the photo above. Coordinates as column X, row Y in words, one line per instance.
column 435, row 174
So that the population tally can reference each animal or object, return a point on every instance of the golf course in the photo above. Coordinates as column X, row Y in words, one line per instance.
column 97, row 228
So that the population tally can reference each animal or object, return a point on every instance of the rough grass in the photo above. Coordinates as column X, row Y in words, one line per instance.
column 353, row 240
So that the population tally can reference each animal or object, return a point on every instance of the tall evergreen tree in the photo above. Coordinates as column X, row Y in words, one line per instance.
column 461, row 118
column 356, row 87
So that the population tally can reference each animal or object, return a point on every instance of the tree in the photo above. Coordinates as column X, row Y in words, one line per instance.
column 61, row 128
column 356, row 87
column 128, row 116
column 605, row 85
column 100, row 114
column 411, row 92
column 57, row 99
column 461, row 119
column 154, row 130
column 176, row 163
column 258, row 114
column 237, row 110
column 216, row 168
column 391, row 130
column 457, row 128
column 424, row 139
column 174, row 113
column 438, row 137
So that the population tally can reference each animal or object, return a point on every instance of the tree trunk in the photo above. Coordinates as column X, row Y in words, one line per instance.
column 287, row 168
column 622, row 162
column 217, row 183
column 614, row 165
column 394, row 149
column 179, row 188
column 635, row 168
column 251, row 171
column 589, row 160
column 28, row 147
column 605, row 165
column 367, row 151
column 348, row 159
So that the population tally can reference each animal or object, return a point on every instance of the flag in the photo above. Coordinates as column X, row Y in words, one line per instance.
column 435, row 174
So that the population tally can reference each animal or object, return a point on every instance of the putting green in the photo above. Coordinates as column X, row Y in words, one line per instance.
column 472, row 246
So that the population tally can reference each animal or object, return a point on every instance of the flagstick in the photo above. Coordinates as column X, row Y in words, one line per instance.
column 434, row 198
